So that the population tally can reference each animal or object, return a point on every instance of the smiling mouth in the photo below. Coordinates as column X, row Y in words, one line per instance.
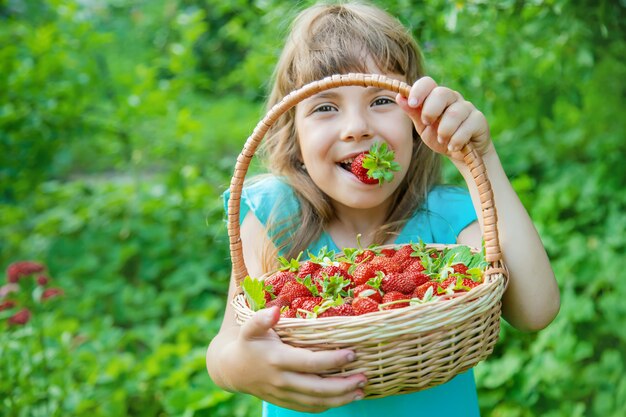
column 347, row 164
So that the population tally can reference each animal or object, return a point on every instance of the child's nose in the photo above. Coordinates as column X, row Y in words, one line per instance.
column 356, row 127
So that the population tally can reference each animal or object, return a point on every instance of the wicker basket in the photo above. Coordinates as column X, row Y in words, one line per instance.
column 401, row 350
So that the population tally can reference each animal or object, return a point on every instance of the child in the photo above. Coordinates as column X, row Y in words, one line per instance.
column 310, row 201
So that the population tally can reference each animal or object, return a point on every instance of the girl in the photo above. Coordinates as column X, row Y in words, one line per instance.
column 310, row 201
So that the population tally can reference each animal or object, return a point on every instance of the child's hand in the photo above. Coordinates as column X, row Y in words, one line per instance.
column 259, row 363
column 444, row 119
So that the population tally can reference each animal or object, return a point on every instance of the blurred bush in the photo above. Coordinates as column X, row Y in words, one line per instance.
column 120, row 122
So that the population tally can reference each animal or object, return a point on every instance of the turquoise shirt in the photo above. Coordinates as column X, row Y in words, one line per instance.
column 447, row 211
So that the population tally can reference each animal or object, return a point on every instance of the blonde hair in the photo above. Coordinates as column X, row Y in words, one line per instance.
column 328, row 39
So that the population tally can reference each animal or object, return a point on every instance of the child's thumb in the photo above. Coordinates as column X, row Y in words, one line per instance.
column 259, row 324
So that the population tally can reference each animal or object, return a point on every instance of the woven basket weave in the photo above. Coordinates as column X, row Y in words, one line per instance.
column 400, row 350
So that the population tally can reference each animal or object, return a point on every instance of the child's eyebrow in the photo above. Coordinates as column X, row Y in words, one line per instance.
column 333, row 94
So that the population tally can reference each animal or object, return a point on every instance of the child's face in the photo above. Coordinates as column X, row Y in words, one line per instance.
column 338, row 124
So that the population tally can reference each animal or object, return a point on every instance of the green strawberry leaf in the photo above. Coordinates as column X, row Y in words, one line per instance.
column 253, row 290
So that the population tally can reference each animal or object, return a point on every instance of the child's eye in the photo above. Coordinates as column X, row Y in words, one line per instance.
column 382, row 101
column 324, row 108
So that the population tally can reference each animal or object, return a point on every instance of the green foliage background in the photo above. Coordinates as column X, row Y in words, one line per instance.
column 120, row 122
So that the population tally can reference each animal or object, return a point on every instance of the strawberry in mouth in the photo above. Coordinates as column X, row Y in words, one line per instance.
column 375, row 166
column 347, row 164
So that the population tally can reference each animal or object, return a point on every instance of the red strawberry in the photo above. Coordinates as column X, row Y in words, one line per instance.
column 362, row 305
column 399, row 282
column 376, row 165
column 342, row 310
column 279, row 279
column 468, row 282
column 365, row 256
column 460, row 268
column 421, row 290
column 415, row 266
column 363, row 273
column 308, row 268
column 388, row 252
column 374, row 294
column 279, row 301
column 404, row 253
column 395, row 296
column 292, row 290
column 345, row 266
column 306, row 303
column 450, row 281
column 361, row 172
column 387, row 265
column 418, row 277
column 332, row 270
column 288, row 313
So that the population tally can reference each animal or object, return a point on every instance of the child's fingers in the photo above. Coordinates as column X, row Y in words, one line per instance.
column 323, row 387
column 310, row 391
column 437, row 102
column 260, row 323
column 452, row 118
column 312, row 404
column 304, row 360
column 420, row 90
column 473, row 128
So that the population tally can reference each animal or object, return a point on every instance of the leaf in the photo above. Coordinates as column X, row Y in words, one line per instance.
column 253, row 289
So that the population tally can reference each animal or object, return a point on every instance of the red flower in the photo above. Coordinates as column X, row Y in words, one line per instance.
column 51, row 293
column 5, row 305
column 17, row 270
column 43, row 280
column 21, row 317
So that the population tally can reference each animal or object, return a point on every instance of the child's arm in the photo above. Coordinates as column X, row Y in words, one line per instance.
column 252, row 358
column 446, row 122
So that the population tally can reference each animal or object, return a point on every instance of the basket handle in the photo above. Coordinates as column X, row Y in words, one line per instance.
column 470, row 156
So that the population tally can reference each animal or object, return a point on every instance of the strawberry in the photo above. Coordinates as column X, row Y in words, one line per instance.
column 288, row 313
column 332, row 270
column 364, row 256
column 387, row 265
column 460, row 268
column 279, row 301
column 470, row 283
column 388, row 252
column 292, row 290
column 363, row 273
column 362, row 305
column 421, row 290
column 376, row 165
column 415, row 266
column 418, row 277
column 342, row 310
column 306, row 303
column 360, row 171
column 399, row 282
column 404, row 253
column 308, row 268
column 393, row 296
column 372, row 293
column 345, row 266
column 279, row 279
